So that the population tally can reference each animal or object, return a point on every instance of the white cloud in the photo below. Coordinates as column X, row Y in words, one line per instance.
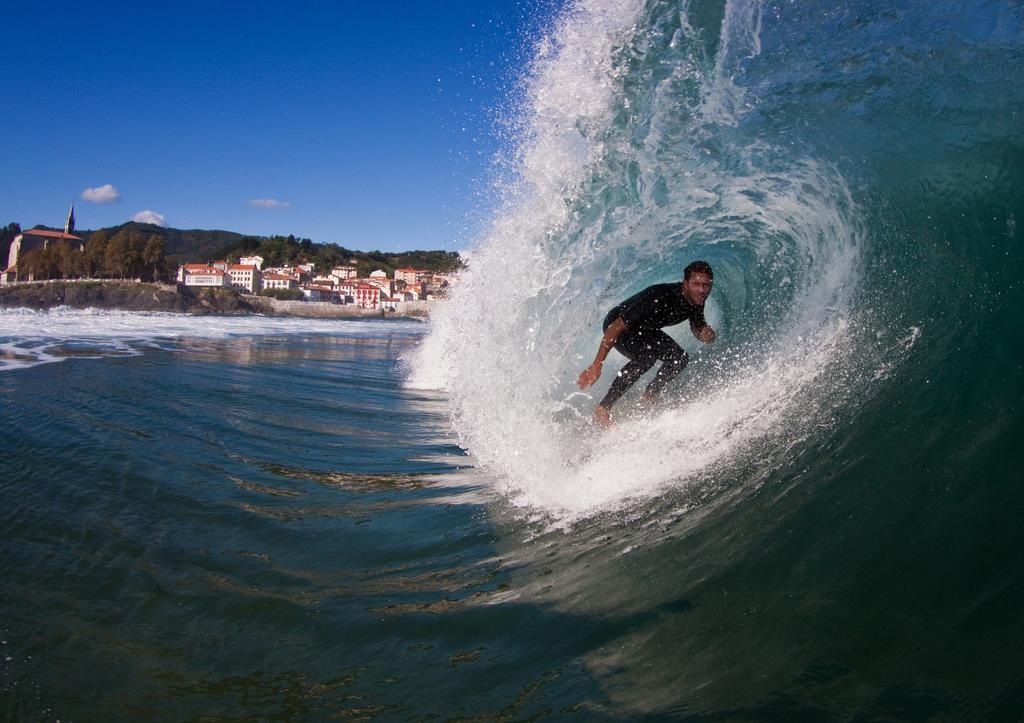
column 101, row 194
column 268, row 203
column 157, row 219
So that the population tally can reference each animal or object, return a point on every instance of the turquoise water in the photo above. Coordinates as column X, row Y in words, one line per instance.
column 272, row 518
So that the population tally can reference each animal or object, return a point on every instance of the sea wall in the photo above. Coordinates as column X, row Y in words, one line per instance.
column 128, row 295
column 327, row 310
column 136, row 296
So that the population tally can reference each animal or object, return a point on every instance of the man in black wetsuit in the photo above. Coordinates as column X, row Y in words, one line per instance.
column 633, row 328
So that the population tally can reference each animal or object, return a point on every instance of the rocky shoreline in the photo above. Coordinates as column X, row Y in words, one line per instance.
column 136, row 296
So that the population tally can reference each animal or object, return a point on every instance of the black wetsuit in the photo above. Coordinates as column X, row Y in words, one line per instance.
column 644, row 343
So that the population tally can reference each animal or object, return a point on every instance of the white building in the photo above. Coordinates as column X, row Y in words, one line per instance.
column 256, row 261
column 279, row 281
column 344, row 272
column 381, row 281
column 302, row 273
column 410, row 275
column 315, row 292
column 346, row 291
column 244, row 277
column 207, row 276
column 186, row 269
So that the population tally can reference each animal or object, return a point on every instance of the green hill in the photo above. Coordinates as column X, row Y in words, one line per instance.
column 197, row 245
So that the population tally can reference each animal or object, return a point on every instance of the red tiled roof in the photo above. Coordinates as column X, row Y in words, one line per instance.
column 50, row 234
column 241, row 267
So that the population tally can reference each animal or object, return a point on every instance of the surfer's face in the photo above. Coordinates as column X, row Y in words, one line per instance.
column 697, row 288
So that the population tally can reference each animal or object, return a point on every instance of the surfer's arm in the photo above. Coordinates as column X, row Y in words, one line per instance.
column 706, row 334
column 611, row 334
column 700, row 328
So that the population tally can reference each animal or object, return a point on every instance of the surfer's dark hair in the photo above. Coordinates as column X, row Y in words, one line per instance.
column 698, row 267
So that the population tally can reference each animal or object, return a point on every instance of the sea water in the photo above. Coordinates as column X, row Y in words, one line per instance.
column 250, row 517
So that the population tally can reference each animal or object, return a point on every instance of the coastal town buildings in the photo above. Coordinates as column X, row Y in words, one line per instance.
column 341, row 286
column 301, row 273
column 378, row 290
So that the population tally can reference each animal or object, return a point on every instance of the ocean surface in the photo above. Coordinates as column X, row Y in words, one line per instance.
column 250, row 518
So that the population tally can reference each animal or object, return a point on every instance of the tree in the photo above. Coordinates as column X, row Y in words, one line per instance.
column 44, row 263
column 124, row 253
column 136, row 247
column 116, row 255
column 154, row 257
column 69, row 262
column 31, row 265
column 96, row 254
column 283, row 294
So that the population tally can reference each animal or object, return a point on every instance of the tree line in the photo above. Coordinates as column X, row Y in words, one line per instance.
column 126, row 254
column 285, row 250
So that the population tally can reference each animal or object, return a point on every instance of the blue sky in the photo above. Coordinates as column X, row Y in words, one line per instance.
column 369, row 125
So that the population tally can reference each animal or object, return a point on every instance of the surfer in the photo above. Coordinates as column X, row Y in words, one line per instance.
column 633, row 328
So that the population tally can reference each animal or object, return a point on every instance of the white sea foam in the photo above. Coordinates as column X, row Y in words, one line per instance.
column 29, row 338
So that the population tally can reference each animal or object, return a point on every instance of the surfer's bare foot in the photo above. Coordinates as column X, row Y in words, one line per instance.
column 602, row 417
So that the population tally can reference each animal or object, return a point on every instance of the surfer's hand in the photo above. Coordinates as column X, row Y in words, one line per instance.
column 589, row 375
column 706, row 335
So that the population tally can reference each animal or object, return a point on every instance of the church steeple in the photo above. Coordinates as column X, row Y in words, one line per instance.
column 69, row 225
